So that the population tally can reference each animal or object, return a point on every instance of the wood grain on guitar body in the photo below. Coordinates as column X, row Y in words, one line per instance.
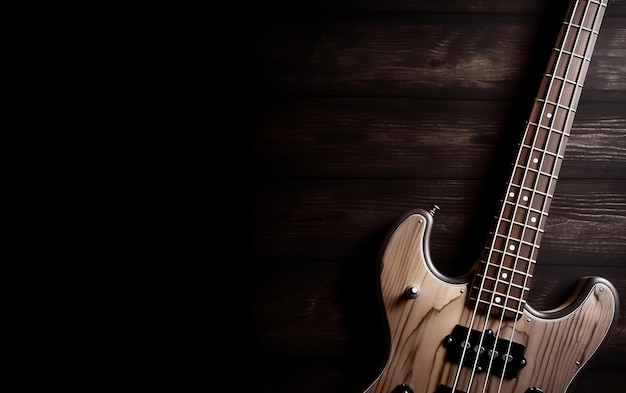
column 476, row 333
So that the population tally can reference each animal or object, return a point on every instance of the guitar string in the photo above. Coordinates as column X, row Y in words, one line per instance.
column 568, row 120
column 564, row 32
column 516, row 208
column 562, row 141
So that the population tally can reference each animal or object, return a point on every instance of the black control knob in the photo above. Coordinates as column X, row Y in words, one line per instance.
column 402, row 388
column 534, row 390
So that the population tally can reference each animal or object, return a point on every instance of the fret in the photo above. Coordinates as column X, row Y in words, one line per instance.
column 559, row 78
column 542, row 213
column 570, row 67
column 514, row 243
column 541, row 188
column 503, row 279
column 537, row 171
column 502, row 296
column 530, row 238
column 556, row 104
column 519, row 267
column 530, row 209
column 507, row 256
column 530, row 216
column 545, row 153
column 529, row 179
column 511, row 207
column 520, row 263
column 580, row 27
column 573, row 54
column 516, row 228
column 530, row 231
column 504, row 290
column 513, row 309
column 567, row 65
column 494, row 279
column 525, row 216
column 545, row 137
column 574, row 43
column 534, row 203
column 515, row 249
column 537, row 193
column 586, row 16
column 527, row 194
column 552, row 113
column 540, row 152
column 597, row 11
column 600, row 3
column 526, row 263
column 565, row 133
column 547, row 161
column 526, row 226
column 561, row 90
column 493, row 282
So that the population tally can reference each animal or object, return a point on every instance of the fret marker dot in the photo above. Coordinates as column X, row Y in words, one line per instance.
column 511, row 247
column 504, row 275
column 511, row 194
column 535, row 160
column 498, row 299
column 533, row 219
column 525, row 198
column 549, row 115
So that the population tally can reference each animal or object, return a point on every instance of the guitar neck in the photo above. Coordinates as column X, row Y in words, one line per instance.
column 506, row 266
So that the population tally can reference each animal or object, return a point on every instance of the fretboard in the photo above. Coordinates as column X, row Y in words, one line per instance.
column 502, row 281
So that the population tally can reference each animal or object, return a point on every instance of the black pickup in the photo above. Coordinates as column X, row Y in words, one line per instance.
column 500, row 357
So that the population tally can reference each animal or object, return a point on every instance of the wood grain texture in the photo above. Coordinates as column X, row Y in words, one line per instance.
column 398, row 55
column 337, row 137
column 288, row 213
column 367, row 109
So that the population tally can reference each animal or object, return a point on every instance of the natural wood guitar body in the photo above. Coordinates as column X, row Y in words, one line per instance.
column 558, row 342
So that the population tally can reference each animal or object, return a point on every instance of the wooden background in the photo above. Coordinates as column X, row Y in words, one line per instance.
column 367, row 109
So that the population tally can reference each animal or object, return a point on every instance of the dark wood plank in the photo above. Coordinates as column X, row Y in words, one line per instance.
column 337, row 137
column 329, row 219
column 441, row 55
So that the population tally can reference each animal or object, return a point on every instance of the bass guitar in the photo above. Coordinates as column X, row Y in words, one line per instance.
column 476, row 333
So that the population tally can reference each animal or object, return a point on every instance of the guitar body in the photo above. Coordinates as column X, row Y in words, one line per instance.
column 556, row 344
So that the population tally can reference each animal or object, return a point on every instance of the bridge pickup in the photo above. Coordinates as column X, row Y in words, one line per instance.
column 501, row 357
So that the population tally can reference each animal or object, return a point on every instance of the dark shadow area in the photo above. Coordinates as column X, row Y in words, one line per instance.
column 365, row 315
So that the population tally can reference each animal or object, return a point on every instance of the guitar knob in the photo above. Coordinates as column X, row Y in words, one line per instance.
column 411, row 291
column 534, row 390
